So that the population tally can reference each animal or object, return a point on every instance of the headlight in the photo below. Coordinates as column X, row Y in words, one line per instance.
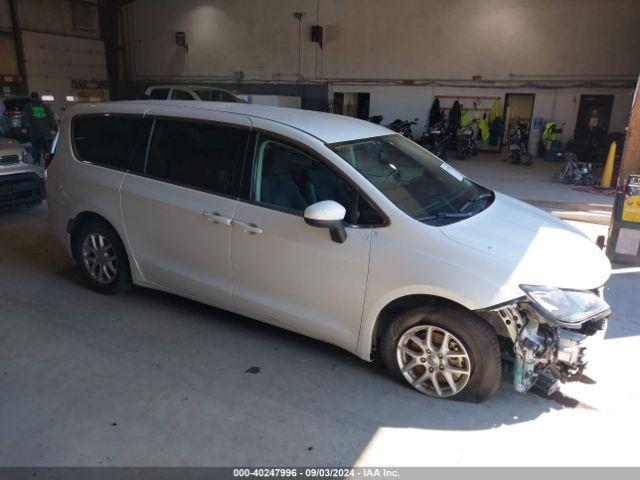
column 565, row 307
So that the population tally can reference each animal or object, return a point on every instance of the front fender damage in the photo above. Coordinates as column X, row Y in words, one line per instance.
column 544, row 354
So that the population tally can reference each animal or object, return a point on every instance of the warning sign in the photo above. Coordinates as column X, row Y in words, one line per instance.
column 631, row 206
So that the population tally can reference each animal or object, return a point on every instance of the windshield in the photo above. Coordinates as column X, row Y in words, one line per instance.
column 417, row 182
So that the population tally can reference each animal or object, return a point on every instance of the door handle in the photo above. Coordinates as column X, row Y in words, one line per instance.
column 251, row 228
column 215, row 217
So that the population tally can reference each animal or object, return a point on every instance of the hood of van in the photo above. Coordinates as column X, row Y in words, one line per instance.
column 529, row 246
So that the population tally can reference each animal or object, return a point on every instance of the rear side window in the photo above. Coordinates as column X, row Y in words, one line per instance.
column 205, row 95
column 216, row 96
column 197, row 155
column 159, row 94
column 112, row 141
column 227, row 97
column 181, row 95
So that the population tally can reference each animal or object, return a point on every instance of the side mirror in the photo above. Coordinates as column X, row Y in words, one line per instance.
column 327, row 214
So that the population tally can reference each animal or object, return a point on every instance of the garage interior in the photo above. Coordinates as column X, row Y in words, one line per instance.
column 152, row 379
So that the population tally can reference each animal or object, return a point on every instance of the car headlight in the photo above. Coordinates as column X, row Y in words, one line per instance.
column 565, row 307
column 26, row 158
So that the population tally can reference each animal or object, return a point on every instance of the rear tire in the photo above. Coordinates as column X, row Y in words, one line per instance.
column 462, row 152
column 102, row 258
column 468, row 335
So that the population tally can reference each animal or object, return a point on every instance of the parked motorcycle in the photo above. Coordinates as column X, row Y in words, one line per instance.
column 518, row 143
column 575, row 172
column 436, row 139
column 403, row 127
column 466, row 143
column 377, row 119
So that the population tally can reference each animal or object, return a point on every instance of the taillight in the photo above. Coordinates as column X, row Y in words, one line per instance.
column 47, row 159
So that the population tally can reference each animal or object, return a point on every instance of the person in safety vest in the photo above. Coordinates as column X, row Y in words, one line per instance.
column 38, row 121
column 465, row 119
column 550, row 132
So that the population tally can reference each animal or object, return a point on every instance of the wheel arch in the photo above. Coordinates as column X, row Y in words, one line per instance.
column 81, row 219
column 370, row 337
column 85, row 216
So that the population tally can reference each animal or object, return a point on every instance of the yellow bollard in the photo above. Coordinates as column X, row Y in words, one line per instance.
column 605, row 182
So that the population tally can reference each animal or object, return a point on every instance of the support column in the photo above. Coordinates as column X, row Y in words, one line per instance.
column 17, row 41
column 631, row 156
column 109, row 32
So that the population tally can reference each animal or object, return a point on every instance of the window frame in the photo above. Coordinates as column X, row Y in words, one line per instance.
column 238, row 170
column 79, row 158
column 248, row 176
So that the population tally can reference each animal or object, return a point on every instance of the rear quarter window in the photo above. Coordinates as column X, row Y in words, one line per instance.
column 158, row 94
column 118, row 142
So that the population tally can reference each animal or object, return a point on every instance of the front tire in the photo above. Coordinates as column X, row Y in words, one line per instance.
column 443, row 352
column 102, row 258
column 462, row 151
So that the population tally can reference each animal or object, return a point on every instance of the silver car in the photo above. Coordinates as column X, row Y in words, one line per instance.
column 21, row 182
column 191, row 92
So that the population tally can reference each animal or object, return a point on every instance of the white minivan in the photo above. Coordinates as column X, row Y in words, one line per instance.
column 332, row 227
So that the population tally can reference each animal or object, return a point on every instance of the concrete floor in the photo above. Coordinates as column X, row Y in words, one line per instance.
column 525, row 183
column 152, row 379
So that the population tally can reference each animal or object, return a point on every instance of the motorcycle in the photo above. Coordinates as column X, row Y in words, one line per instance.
column 518, row 143
column 575, row 172
column 377, row 119
column 466, row 143
column 403, row 127
column 436, row 139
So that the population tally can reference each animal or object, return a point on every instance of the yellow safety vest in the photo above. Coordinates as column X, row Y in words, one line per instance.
column 548, row 133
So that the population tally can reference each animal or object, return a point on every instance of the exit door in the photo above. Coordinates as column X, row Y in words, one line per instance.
column 594, row 116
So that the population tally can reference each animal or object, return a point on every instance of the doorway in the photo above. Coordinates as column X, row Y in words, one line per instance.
column 518, row 111
column 594, row 116
column 590, row 138
column 352, row 104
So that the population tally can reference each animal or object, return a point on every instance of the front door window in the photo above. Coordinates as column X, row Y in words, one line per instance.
column 289, row 179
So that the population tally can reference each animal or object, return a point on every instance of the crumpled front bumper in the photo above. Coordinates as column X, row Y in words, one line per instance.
column 543, row 351
column 574, row 346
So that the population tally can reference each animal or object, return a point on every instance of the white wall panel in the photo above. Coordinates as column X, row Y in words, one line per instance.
column 5, row 16
column 561, row 105
column 387, row 39
column 55, row 16
column 52, row 61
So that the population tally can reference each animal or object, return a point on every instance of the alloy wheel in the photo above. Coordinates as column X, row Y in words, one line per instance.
column 433, row 361
column 99, row 258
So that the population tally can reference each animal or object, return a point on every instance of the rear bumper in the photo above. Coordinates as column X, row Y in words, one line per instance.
column 21, row 189
column 17, row 134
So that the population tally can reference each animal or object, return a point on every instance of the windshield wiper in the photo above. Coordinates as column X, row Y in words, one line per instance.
column 440, row 215
column 474, row 199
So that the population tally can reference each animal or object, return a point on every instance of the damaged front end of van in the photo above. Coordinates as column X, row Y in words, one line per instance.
column 551, row 332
